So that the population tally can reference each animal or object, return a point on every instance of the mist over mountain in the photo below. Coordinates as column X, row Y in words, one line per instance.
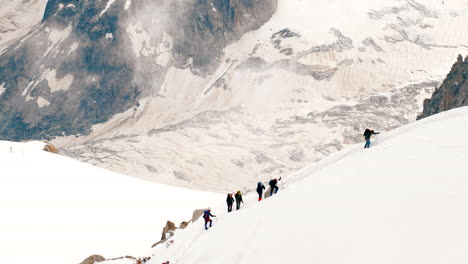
column 89, row 60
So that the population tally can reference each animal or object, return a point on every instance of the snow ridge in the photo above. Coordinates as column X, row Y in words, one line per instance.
column 392, row 203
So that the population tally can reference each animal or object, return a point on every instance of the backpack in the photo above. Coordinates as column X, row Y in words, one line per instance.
column 206, row 215
column 229, row 199
column 272, row 183
column 367, row 133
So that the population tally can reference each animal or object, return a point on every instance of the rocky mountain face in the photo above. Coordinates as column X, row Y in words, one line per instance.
column 452, row 93
column 77, row 68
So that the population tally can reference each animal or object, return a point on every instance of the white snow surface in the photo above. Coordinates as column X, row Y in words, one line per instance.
column 55, row 84
column 2, row 88
column 109, row 4
column 128, row 3
column 401, row 201
column 17, row 18
column 41, row 102
column 74, row 47
column 56, row 37
column 57, row 210
column 141, row 40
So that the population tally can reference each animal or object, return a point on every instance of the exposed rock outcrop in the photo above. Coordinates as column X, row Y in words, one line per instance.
column 183, row 225
column 452, row 93
column 197, row 214
column 50, row 148
column 93, row 259
column 170, row 228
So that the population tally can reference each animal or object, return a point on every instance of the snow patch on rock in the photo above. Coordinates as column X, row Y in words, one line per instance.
column 41, row 102
column 128, row 3
column 55, row 84
column 56, row 37
column 164, row 50
column 2, row 88
column 73, row 47
column 109, row 4
column 141, row 40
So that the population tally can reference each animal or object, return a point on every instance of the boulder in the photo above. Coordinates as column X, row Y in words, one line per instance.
column 93, row 259
column 197, row 214
column 183, row 225
column 50, row 148
column 169, row 228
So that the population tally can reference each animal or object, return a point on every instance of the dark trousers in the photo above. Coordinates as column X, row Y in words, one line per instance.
column 238, row 205
column 229, row 208
column 260, row 195
column 367, row 145
column 275, row 188
column 208, row 221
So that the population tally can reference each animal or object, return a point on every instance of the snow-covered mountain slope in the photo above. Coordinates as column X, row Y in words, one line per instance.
column 57, row 210
column 17, row 18
column 401, row 201
column 304, row 85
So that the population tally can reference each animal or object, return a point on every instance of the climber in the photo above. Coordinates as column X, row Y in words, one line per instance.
column 273, row 185
column 230, row 202
column 260, row 188
column 239, row 200
column 206, row 216
column 367, row 135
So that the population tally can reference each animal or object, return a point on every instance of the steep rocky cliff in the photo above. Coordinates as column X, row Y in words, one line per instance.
column 452, row 93
column 90, row 60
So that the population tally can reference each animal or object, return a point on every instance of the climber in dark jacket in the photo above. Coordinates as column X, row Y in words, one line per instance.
column 273, row 185
column 229, row 201
column 367, row 135
column 206, row 216
column 260, row 188
column 239, row 200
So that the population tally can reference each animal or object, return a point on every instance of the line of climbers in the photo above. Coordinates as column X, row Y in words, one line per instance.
column 238, row 199
column 261, row 187
column 230, row 200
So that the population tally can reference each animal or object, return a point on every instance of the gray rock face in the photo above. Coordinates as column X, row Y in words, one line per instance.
column 75, row 70
column 206, row 27
column 452, row 93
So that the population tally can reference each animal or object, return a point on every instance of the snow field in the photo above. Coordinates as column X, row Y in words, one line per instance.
column 401, row 201
column 58, row 210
